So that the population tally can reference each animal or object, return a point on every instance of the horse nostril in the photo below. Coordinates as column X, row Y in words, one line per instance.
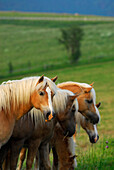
column 47, row 115
column 97, row 137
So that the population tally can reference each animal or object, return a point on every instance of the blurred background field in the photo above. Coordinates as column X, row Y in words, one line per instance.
column 32, row 48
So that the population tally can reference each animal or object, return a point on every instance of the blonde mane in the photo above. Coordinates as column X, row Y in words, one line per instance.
column 19, row 91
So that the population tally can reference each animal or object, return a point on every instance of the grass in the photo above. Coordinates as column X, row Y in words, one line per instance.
column 33, row 49
column 32, row 46
column 99, row 156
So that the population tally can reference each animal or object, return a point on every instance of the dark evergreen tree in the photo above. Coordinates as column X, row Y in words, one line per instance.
column 71, row 38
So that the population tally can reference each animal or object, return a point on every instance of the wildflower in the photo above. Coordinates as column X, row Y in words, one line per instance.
column 107, row 146
column 106, row 141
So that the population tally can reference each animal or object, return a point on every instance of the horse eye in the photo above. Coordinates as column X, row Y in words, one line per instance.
column 41, row 93
column 90, row 101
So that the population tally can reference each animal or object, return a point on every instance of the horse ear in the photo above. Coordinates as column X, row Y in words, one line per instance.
column 40, row 80
column 54, row 78
column 92, row 84
column 98, row 105
column 87, row 90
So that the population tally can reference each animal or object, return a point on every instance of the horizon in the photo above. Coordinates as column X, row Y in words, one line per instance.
column 58, row 13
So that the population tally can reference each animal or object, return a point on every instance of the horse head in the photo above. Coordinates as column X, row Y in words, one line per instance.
column 90, row 128
column 87, row 105
column 42, row 97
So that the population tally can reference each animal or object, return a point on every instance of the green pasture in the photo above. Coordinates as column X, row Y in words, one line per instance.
column 32, row 46
column 33, row 49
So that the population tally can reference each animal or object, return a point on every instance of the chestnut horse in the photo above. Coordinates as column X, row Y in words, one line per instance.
column 32, row 130
column 17, row 98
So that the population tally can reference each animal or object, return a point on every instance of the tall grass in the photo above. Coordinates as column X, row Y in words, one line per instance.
column 99, row 156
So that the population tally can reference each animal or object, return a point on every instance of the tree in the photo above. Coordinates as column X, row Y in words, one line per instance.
column 71, row 38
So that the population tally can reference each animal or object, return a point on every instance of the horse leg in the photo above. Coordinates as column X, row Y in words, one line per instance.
column 36, row 161
column 44, row 162
column 22, row 158
column 15, row 150
column 3, row 152
column 32, row 151
column 55, row 159
column 6, row 163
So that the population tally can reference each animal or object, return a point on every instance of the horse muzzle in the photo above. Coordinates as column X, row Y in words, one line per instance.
column 94, row 138
column 50, row 115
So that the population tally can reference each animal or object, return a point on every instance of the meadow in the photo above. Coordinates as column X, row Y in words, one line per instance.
column 33, row 49
column 32, row 45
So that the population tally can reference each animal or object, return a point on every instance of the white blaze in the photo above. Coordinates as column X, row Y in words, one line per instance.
column 49, row 98
column 95, row 128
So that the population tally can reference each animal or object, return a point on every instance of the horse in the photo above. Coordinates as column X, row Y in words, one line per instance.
column 17, row 97
column 36, row 130
column 86, row 100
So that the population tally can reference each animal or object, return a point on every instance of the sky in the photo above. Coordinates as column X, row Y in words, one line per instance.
column 88, row 7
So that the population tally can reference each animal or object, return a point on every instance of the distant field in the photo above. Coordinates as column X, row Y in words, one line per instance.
column 64, row 15
column 32, row 46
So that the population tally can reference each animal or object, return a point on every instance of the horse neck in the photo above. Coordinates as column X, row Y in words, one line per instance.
column 23, row 109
